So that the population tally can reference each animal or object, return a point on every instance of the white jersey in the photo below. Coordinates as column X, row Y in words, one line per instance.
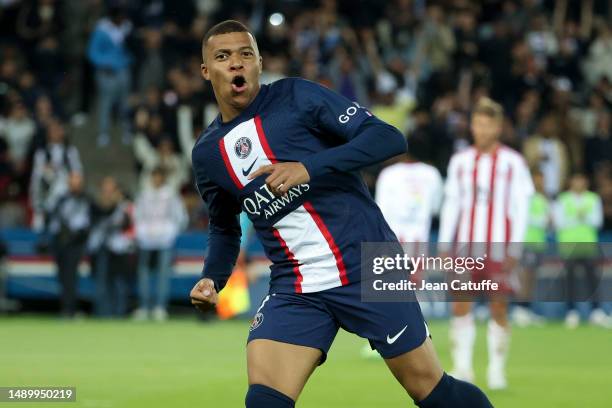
column 486, row 200
column 408, row 194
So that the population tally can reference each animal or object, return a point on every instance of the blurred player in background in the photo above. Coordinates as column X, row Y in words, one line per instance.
column 485, row 209
column 538, row 223
column 288, row 154
column 578, row 217
column 409, row 194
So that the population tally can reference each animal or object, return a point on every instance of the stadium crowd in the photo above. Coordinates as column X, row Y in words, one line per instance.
column 419, row 65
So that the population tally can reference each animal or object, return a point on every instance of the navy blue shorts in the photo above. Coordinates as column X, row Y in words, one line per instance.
column 313, row 319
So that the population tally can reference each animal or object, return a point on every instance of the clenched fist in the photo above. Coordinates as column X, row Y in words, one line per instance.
column 204, row 295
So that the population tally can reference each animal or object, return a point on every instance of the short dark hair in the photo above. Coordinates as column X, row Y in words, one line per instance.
column 225, row 27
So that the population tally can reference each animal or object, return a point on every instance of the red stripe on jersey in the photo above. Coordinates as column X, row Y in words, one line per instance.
column 296, row 266
column 330, row 241
column 491, row 200
column 263, row 140
column 228, row 165
column 474, row 197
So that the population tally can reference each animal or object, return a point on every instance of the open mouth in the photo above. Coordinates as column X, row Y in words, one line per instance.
column 238, row 84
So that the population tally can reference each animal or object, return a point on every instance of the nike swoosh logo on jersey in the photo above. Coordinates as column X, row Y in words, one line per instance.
column 247, row 171
column 391, row 340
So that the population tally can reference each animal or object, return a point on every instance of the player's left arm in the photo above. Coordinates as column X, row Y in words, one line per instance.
column 521, row 190
column 224, row 230
column 366, row 140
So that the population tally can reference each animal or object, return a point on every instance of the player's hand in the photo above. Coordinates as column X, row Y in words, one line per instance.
column 509, row 264
column 283, row 176
column 204, row 295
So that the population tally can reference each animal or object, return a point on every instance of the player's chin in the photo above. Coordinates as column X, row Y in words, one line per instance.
column 240, row 100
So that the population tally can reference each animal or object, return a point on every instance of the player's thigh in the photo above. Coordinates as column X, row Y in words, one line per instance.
column 282, row 366
column 418, row 370
column 290, row 335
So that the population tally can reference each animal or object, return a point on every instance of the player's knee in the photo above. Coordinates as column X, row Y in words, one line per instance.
column 499, row 312
column 418, row 383
column 260, row 373
column 461, row 308
column 262, row 396
column 453, row 393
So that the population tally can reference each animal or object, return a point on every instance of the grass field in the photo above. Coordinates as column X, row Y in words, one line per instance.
column 184, row 363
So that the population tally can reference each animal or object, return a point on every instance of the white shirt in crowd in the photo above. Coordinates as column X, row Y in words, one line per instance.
column 159, row 216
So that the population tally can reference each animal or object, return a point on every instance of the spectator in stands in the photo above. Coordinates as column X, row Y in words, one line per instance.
column 577, row 218
column 11, row 212
column 19, row 130
column 53, row 164
column 603, row 183
column 111, row 244
column 163, row 155
column 151, row 72
column 159, row 216
column 109, row 55
column 599, row 60
column 545, row 152
column 598, row 148
column 68, row 227
column 121, row 248
column 40, row 25
column 436, row 39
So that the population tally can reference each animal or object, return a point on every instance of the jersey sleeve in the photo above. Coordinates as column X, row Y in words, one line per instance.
column 223, row 229
column 328, row 112
column 361, row 139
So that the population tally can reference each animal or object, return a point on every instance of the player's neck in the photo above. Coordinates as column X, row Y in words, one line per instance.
column 230, row 112
column 487, row 149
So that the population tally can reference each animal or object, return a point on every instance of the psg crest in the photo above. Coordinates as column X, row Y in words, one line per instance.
column 243, row 147
column 257, row 320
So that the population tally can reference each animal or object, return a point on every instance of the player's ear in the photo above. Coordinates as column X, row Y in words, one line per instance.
column 260, row 64
column 204, row 71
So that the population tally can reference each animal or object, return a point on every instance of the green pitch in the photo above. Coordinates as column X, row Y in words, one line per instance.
column 184, row 363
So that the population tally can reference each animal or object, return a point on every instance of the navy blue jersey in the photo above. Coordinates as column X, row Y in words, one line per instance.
column 314, row 233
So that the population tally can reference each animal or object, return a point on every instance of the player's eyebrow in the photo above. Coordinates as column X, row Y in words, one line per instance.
column 229, row 51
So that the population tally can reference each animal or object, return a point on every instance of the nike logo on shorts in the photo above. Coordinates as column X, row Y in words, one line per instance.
column 247, row 171
column 391, row 340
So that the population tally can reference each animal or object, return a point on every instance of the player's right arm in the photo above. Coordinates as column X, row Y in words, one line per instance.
column 223, row 238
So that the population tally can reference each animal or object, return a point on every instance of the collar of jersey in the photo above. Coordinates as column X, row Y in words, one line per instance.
column 248, row 112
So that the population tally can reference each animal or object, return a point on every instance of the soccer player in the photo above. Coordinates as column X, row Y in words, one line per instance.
column 485, row 208
column 409, row 193
column 287, row 153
